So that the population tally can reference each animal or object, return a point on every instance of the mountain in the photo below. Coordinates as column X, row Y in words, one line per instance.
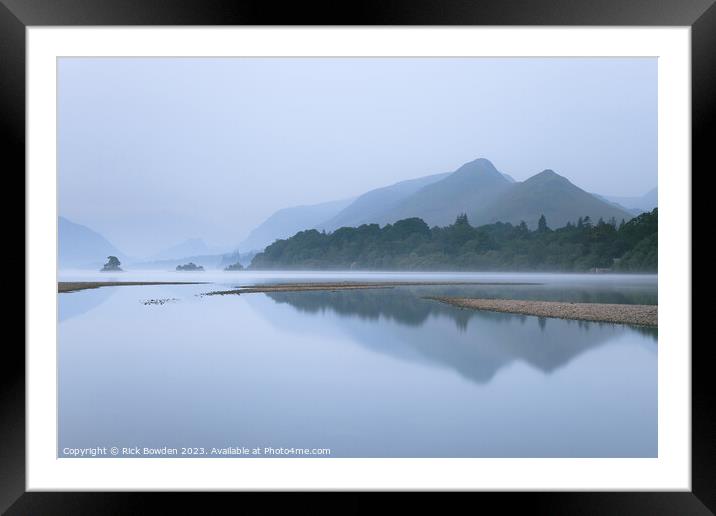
column 289, row 221
column 646, row 202
column 477, row 188
column 372, row 205
column 471, row 186
column 80, row 246
column 545, row 193
column 379, row 205
column 189, row 247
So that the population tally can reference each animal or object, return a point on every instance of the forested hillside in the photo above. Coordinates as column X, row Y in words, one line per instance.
column 410, row 244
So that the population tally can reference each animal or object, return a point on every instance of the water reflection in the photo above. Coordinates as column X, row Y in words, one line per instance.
column 72, row 304
column 379, row 373
column 475, row 344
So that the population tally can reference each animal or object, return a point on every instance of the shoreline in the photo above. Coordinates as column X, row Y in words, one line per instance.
column 639, row 315
column 76, row 286
column 348, row 285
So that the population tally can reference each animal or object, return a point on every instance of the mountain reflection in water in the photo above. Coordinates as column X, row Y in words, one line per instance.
column 477, row 344
column 366, row 373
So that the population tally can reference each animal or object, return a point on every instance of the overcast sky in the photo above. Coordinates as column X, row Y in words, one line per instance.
column 153, row 151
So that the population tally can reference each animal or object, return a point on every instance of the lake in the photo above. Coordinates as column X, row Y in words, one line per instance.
column 361, row 373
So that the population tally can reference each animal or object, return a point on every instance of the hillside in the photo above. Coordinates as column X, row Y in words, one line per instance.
column 646, row 202
column 410, row 244
column 82, row 247
column 473, row 184
column 373, row 205
column 548, row 194
column 289, row 221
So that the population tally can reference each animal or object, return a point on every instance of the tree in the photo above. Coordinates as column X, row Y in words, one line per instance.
column 461, row 220
column 191, row 266
column 112, row 264
column 235, row 267
column 542, row 224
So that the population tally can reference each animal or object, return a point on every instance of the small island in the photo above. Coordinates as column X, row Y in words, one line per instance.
column 234, row 267
column 112, row 265
column 191, row 266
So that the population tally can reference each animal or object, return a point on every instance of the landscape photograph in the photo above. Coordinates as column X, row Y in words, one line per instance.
column 357, row 257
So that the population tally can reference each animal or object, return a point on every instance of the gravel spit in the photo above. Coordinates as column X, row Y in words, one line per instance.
column 74, row 286
column 643, row 315
column 344, row 285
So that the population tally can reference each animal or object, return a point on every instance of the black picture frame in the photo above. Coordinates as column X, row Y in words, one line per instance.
column 17, row 15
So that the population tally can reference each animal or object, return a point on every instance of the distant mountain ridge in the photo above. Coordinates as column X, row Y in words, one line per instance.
column 80, row 246
column 288, row 221
column 370, row 207
column 208, row 261
column 190, row 247
column 640, row 204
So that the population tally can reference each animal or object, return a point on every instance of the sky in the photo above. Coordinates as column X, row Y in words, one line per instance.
column 153, row 151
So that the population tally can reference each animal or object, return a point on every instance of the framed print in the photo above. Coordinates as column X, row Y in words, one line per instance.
column 413, row 249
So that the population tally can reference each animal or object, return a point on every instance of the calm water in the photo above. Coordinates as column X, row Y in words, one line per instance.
column 366, row 373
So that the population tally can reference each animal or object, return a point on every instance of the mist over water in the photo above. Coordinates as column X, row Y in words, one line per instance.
column 366, row 373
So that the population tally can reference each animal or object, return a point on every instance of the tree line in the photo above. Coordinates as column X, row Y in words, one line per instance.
column 410, row 244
